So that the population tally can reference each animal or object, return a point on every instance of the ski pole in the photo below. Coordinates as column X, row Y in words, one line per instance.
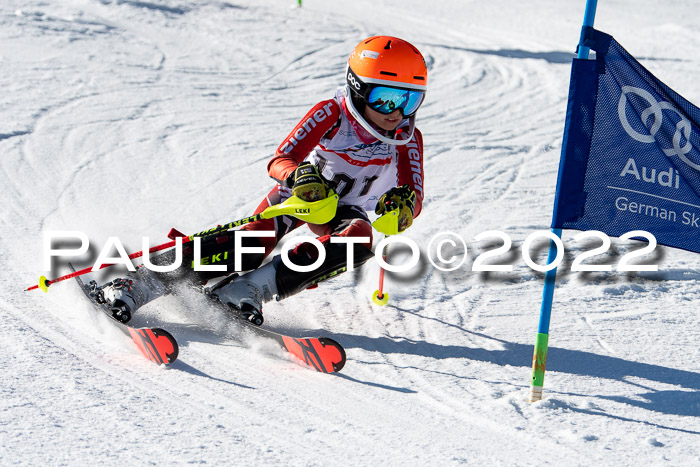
column 316, row 212
column 44, row 283
column 380, row 297
column 388, row 224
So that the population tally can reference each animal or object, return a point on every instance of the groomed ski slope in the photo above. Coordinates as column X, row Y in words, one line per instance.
column 126, row 118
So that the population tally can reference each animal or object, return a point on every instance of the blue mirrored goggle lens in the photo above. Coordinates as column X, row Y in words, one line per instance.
column 385, row 100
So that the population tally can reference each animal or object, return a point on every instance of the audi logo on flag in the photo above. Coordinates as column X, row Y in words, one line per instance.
column 655, row 110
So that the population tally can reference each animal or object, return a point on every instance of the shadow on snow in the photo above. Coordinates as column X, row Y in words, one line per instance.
column 575, row 362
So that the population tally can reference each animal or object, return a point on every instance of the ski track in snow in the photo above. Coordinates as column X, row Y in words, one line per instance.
column 128, row 118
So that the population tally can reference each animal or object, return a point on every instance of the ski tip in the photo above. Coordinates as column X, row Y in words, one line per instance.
column 155, row 344
column 318, row 353
column 44, row 284
column 338, row 361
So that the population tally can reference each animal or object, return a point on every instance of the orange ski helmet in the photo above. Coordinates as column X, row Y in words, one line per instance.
column 386, row 73
column 389, row 61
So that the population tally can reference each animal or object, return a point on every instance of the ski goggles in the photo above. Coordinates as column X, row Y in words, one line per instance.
column 385, row 100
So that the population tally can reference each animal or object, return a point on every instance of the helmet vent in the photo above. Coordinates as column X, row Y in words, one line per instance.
column 387, row 46
column 419, row 77
column 389, row 73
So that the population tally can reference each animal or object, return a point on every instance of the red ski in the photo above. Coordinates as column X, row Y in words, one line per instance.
column 318, row 353
column 322, row 354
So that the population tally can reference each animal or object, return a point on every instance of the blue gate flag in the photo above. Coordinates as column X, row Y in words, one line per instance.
column 630, row 156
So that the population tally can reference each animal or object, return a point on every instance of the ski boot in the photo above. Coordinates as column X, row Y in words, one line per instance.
column 246, row 294
column 124, row 296
column 107, row 295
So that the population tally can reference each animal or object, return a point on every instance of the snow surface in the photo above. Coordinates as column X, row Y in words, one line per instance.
column 126, row 118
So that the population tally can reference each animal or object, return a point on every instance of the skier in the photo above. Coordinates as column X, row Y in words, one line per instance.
column 362, row 143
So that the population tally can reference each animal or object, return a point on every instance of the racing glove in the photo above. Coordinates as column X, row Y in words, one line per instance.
column 402, row 198
column 307, row 183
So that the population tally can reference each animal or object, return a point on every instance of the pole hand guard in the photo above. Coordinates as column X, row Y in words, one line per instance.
column 396, row 209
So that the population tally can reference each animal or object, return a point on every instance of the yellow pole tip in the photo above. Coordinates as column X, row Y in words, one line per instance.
column 380, row 300
column 44, row 284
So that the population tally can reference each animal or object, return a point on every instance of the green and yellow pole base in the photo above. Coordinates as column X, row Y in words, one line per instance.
column 539, row 360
